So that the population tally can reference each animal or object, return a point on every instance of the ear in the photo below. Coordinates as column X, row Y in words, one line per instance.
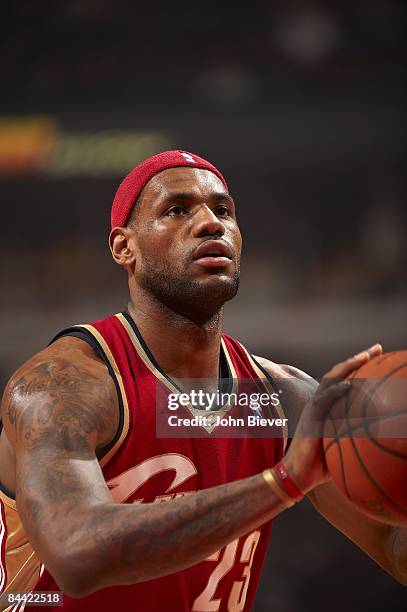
column 122, row 247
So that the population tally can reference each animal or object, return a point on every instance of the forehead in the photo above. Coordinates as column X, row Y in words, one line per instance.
column 181, row 179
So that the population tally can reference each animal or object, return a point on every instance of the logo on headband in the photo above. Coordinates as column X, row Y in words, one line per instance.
column 188, row 158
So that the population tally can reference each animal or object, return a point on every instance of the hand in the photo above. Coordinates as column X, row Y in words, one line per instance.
column 305, row 459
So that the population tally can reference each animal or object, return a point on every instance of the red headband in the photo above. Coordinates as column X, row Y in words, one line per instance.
column 133, row 183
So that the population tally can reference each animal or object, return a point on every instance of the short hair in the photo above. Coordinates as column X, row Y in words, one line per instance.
column 135, row 210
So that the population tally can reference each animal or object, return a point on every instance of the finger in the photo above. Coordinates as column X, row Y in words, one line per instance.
column 326, row 397
column 322, row 402
column 353, row 363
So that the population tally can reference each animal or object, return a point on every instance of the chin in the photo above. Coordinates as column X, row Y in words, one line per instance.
column 221, row 284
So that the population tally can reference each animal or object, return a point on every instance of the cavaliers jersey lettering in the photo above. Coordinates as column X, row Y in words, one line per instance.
column 140, row 467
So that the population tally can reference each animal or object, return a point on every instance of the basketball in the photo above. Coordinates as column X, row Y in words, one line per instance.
column 365, row 439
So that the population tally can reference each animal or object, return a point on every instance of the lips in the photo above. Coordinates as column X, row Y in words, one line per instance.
column 214, row 254
column 213, row 249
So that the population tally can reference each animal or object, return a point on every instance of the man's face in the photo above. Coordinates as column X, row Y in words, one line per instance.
column 187, row 242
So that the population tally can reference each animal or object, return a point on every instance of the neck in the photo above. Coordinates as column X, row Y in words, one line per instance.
column 183, row 348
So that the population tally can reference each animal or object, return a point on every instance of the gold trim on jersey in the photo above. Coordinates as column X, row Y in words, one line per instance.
column 9, row 501
column 270, row 389
column 126, row 417
column 228, row 359
column 170, row 385
column 20, row 563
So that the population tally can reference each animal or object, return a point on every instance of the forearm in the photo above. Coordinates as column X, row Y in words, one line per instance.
column 124, row 544
column 396, row 549
column 385, row 544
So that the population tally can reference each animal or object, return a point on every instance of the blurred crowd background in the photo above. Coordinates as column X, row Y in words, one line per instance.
column 301, row 105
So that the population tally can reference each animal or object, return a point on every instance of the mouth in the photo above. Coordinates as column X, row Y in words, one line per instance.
column 213, row 254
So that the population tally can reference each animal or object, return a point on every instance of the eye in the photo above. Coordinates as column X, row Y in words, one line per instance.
column 176, row 211
column 222, row 211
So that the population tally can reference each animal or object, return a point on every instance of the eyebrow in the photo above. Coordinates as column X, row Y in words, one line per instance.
column 183, row 196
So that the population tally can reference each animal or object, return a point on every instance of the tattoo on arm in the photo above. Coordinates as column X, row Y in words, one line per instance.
column 57, row 412
column 78, row 402
column 138, row 543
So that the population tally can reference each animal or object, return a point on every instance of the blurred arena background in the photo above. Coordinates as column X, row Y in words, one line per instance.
column 302, row 105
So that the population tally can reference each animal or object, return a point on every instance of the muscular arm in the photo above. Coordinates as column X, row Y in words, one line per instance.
column 58, row 409
column 385, row 544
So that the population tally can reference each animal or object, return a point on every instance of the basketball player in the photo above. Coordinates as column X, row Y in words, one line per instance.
column 79, row 435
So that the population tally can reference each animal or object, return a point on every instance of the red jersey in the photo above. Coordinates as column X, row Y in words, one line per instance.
column 140, row 467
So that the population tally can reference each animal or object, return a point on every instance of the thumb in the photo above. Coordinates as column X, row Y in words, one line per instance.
column 312, row 423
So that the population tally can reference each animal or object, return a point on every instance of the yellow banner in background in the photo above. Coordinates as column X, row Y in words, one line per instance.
column 37, row 146
column 26, row 144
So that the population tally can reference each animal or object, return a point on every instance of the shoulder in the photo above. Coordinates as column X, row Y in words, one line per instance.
column 297, row 386
column 66, row 360
column 284, row 370
column 67, row 372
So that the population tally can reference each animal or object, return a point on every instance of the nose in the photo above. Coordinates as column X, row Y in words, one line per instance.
column 206, row 223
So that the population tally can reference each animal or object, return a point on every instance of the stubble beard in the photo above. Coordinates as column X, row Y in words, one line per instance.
column 198, row 301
